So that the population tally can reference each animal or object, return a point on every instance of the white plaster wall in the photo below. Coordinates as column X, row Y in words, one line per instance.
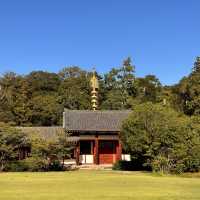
column 126, row 157
column 86, row 159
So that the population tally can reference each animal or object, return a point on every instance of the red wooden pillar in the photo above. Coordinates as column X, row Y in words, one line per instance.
column 119, row 151
column 77, row 153
column 96, row 151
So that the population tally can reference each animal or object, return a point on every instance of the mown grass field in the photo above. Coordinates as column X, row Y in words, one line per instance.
column 97, row 185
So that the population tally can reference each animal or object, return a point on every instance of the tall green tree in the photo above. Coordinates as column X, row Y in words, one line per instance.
column 74, row 91
column 188, row 91
column 119, row 86
column 149, row 88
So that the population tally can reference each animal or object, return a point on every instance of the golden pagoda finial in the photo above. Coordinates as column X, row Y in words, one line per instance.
column 95, row 87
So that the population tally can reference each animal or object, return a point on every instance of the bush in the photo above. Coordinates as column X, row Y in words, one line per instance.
column 16, row 166
column 33, row 164
column 36, row 164
column 122, row 165
column 55, row 165
column 162, row 164
column 127, row 166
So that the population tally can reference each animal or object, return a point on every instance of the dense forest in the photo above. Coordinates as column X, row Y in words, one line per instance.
column 38, row 98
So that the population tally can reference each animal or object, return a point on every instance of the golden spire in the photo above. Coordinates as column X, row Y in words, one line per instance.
column 94, row 93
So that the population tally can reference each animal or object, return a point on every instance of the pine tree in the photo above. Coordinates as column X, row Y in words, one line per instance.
column 196, row 67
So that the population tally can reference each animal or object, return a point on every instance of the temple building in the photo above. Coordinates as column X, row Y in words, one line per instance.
column 96, row 131
column 97, row 135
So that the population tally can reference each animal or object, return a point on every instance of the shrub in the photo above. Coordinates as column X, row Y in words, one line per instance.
column 16, row 166
column 126, row 166
column 121, row 165
column 162, row 164
column 56, row 165
column 35, row 164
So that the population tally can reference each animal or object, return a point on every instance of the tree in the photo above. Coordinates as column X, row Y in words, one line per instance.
column 196, row 68
column 61, row 148
column 187, row 92
column 148, row 89
column 46, row 110
column 22, row 97
column 163, row 138
column 12, row 141
column 119, row 86
column 41, row 82
column 10, row 84
column 74, row 92
column 52, row 151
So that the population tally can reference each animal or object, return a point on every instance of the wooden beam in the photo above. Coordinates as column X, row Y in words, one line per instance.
column 119, row 151
column 108, row 137
column 77, row 153
column 96, row 151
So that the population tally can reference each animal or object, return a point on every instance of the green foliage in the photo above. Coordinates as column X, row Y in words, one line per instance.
column 45, row 155
column 74, row 91
column 38, row 98
column 35, row 164
column 119, row 87
column 187, row 92
column 133, row 165
column 122, row 165
column 31, row 164
column 55, row 165
column 55, row 151
column 165, row 139
column 16, row 166
column 148, row 89
column 46, row 110
column 12, row 142
column 60, row 148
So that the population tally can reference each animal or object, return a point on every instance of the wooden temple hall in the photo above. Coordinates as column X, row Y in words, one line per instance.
column 96, row 132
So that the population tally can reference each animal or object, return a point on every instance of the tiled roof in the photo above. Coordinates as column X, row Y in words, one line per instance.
column 49, row 133
column 87, row 120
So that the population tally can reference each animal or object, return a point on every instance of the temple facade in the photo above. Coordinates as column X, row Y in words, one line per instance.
column 96, row 135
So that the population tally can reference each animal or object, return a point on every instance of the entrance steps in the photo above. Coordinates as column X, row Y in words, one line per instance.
column 95, row 167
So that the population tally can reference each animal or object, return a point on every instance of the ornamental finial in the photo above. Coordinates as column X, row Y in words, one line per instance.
column 95, row 87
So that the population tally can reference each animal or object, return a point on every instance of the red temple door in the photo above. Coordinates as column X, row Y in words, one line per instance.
column 107, row 152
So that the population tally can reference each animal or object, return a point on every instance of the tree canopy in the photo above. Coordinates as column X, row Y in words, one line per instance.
column 38, row 98
column 164, row 139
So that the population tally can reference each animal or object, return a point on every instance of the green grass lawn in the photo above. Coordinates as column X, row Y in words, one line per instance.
column 96, row 185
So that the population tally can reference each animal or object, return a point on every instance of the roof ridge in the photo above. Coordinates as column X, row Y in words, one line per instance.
column 38, row 126
column 96, row 111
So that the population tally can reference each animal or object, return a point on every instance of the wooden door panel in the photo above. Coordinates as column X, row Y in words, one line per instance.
column 107, row 151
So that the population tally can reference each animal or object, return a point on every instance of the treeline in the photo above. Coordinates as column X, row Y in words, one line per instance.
column 38, row 99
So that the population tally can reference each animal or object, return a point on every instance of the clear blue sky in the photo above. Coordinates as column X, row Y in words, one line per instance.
column 161, row 36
